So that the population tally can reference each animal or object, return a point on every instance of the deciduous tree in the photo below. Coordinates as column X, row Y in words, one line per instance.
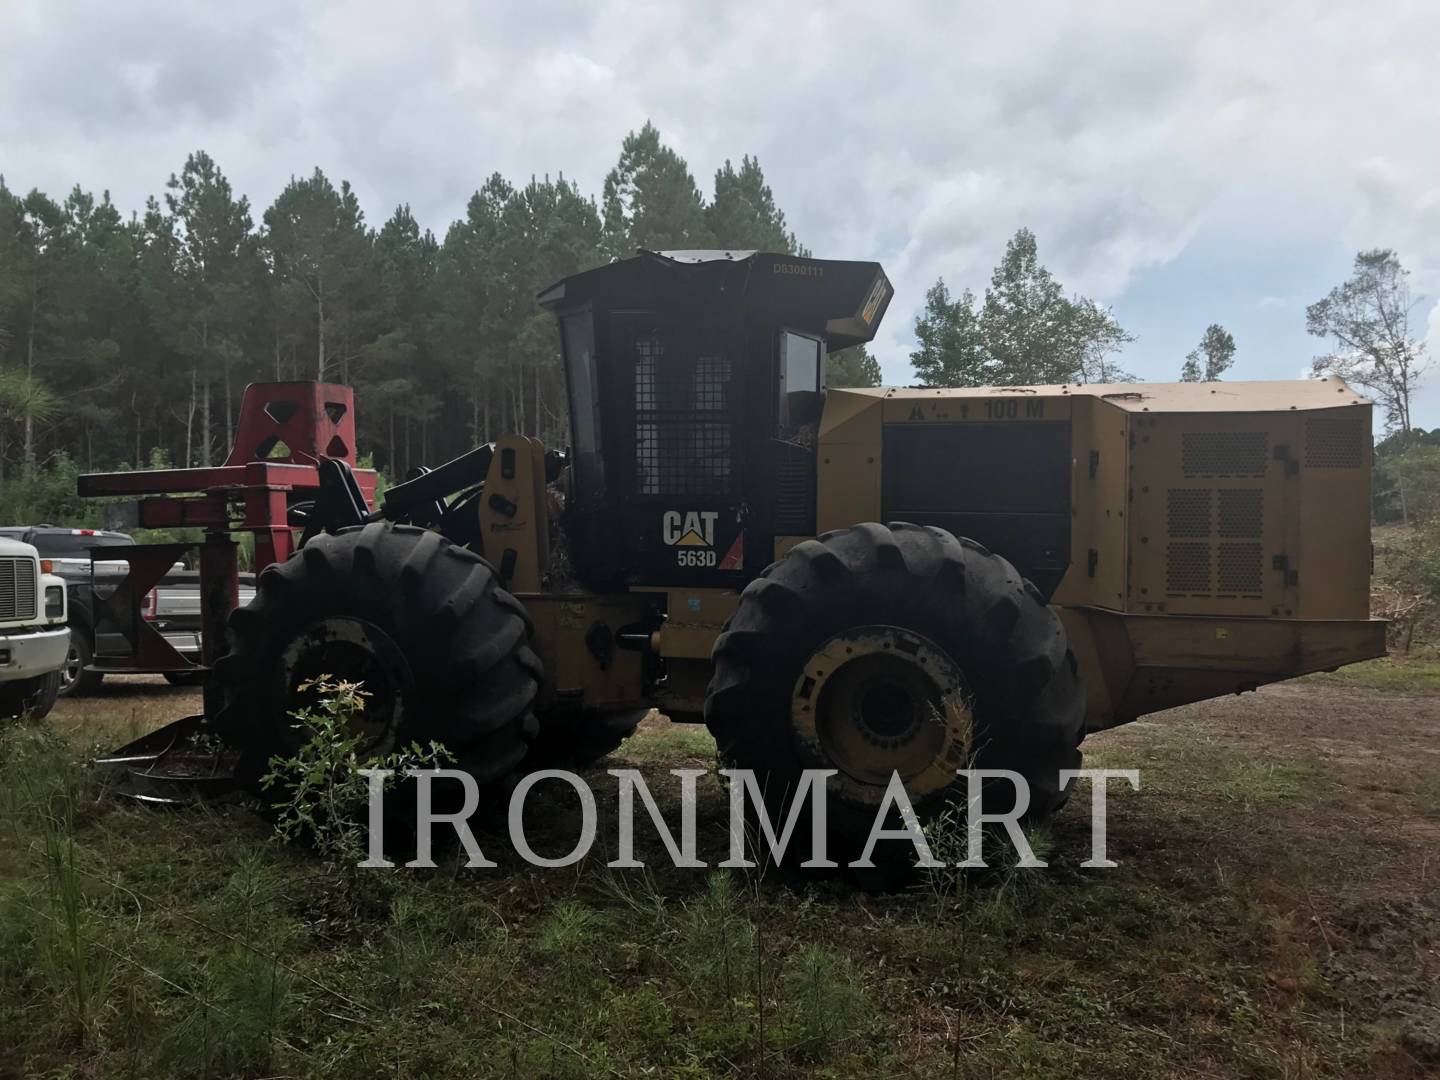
column 1367, row 319
column 1025, row 331
column 1209, row 360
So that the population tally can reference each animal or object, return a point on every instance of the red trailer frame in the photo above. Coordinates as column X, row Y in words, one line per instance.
column 285, row 431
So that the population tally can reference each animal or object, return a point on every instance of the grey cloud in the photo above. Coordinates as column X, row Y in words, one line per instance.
column 923, row 135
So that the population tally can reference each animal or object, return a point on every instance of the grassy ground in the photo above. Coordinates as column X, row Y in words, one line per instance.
column 1273, row 915
column 1419, row 673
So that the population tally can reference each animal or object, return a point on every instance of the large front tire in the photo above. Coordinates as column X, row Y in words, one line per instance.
column 442, row 650
column 878, row 650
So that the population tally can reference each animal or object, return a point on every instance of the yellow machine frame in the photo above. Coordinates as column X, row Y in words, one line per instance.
column 1219, row 540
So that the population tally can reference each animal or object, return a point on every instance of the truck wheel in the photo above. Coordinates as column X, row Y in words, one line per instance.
column 30, row 698
column 574, row 740
column 876, row 650
column 75, row 681
column 441, row 649
column 185, row 678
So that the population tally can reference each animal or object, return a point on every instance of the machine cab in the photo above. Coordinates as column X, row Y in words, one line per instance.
column 696, row 382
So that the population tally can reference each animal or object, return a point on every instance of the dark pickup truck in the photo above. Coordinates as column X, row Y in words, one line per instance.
column 173, row 607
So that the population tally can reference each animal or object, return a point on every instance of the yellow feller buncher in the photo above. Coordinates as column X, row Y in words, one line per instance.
column 874, row 581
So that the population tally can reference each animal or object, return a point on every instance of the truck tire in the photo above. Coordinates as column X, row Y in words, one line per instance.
column 443, row 651
column 577, row 739
column 881, row 649
column 30, row 698
column 75, row 681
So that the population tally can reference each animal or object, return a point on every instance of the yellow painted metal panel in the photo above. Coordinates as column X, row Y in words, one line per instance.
column 1212, row 501
column 694, row 618
column 848, row 460
column 1100, row 476
column 1332, row 539
column 1237, row 396
column 562, row 623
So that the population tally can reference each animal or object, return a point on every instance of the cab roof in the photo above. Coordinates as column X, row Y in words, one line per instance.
column 1239, row 396
column 843, row 300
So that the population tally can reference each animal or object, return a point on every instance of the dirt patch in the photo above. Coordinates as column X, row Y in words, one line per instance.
column 1348, row 860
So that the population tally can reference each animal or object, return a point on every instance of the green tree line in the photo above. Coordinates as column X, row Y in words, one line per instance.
column 126, row 341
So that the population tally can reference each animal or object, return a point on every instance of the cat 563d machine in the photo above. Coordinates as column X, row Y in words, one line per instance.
column 867, row 580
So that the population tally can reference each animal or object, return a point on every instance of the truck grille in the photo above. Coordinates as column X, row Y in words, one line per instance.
column 17, row 589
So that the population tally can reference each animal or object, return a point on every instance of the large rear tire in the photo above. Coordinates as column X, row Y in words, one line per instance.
column 442, row 650
column 895, row 649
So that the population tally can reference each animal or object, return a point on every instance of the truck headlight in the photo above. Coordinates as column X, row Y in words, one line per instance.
column 54, row 601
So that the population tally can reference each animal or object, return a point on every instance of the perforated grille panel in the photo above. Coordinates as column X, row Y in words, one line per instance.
column 1200, row 559
column 1225, row 453
column 1209, row 497
column 1241, row 570
column 1333, row 442
column 1187, row 511
column 1187, row 569
column 682, row 423
column 1242, row 513
column 795, row 480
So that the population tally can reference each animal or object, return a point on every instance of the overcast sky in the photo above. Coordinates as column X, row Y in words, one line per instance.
column 1182, row 163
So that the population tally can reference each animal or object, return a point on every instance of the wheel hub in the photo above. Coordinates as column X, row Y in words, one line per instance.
column 342, row 648
column 73, row 668
column 879, row 700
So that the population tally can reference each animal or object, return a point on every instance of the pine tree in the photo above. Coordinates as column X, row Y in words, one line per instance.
column 406, row 264
column 651, row 201
column 321, row 255
column 551, row 231
column 472, row 289
column 743, row 214
column 215, row 243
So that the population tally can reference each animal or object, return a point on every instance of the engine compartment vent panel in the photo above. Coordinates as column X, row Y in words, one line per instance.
column 1242, row 513
column 1187, row 513
column 1334, row 442
column 1225, row 453
column 1242, row 570
column 1187, row 568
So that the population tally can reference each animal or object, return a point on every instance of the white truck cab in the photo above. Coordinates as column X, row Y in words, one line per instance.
column 33, row 636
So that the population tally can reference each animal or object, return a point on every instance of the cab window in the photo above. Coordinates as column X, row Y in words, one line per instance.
column 800, row 379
